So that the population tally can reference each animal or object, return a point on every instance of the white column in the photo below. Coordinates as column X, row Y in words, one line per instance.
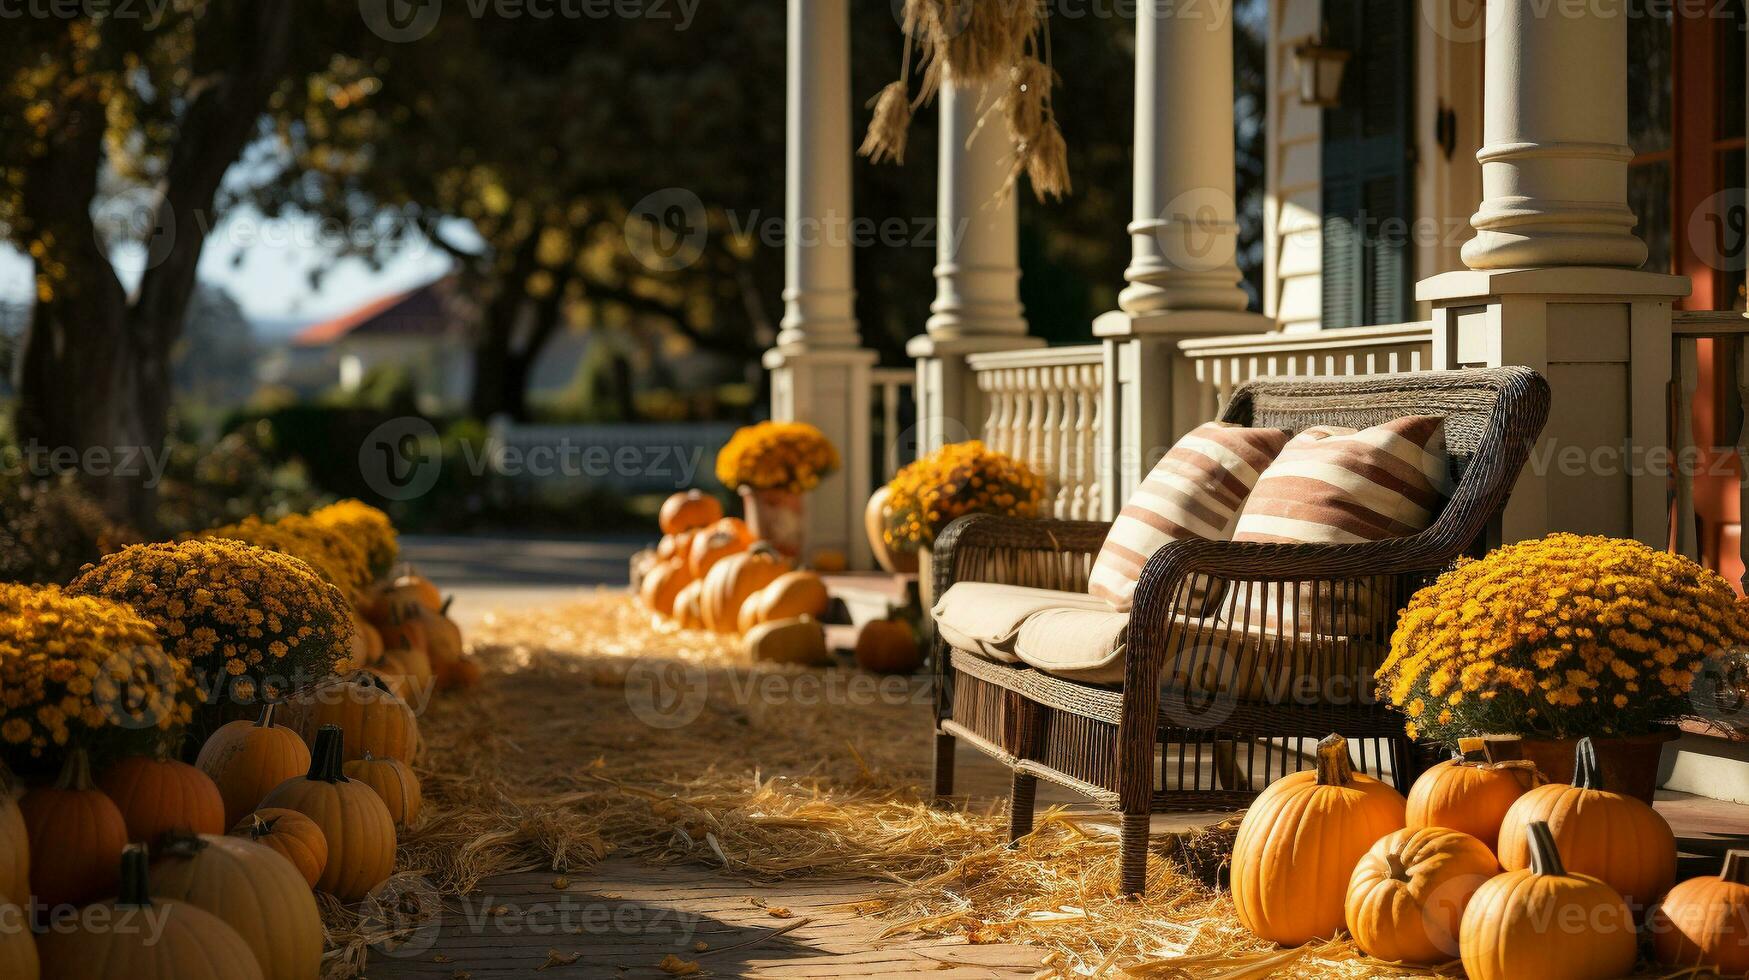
column 977, row 270
column 1553, row 282
column 819, row 289
column 819, row 370
column 1554, row 140
column 1183, row 277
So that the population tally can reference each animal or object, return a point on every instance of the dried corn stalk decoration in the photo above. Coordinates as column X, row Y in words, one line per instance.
column 979, row 41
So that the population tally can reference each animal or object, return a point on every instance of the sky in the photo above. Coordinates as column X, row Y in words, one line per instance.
column 265, row 266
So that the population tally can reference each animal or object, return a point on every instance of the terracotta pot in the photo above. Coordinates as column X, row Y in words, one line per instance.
column 874, row 519
column 777, row 517
column 1629, row 764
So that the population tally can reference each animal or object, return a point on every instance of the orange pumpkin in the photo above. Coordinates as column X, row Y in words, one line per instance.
column 14, row 845
column 465, row 673
column 289, row 834
column 1705, row 921
column 1547, row 922
column 367, row 643
column 158, row 795
column 687, row 510
column 829, row 561
column 687, row 611
column 663, row 584
column 373, row 719
column 392, row 780
column 253, row 890
column 1611, row 836
column 18, row 959
column 1469, row 793
column 359, row 830
column 76, row 836
column 732, row 580
column 409, row 672
column 246, row 759
column 711, row 546
column 403, row 629
column 1300, row 842
column 443, row 644
column 790, row 595
column 676, row 545
column 417, row 587
column 1407, row 896
column 887, row 646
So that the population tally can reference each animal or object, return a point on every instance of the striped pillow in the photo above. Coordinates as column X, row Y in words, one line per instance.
column 1193, row 492
column 1334, row 485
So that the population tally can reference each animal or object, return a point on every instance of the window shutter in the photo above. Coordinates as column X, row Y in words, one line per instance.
column 1366, row 175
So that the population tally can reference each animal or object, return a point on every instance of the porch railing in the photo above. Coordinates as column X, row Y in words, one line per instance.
column 895, row 438
column 1728, row 330
column 1221, row 363
column 1043, row 407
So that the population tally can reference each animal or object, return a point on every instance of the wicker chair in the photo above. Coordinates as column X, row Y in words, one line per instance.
column 1213, row 706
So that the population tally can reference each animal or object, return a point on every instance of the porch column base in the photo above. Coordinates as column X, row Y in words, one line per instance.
column 950, row 408
column 830, row 389
column 1151, row 396
column 1601, row 336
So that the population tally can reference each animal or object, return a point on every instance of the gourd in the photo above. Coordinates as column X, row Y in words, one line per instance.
column 1705, row 921
column 18, row 959
column 732, row 580
column 1547, row 922
column 711, row 546
column 14, row 844
column 791, row 594
column 1470, row 793
column 291, row 835
column 357, row 826
column 663, row 585
column 687, row 614
column 186, row 942
column 688, row 510
column 76, row 836
column 393, row 781
column 887, row 646
column 373, row 719
column 246, row 759
column 254, row 891
column 1407, row 896
column 1300, row 842
column 1612, row 836
column 801, row 640
column 159, row 795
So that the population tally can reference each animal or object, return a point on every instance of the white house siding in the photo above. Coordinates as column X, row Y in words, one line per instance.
column 1447, row 190
column 1293, row 244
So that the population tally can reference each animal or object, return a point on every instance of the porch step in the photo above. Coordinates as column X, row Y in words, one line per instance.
column 863, row 597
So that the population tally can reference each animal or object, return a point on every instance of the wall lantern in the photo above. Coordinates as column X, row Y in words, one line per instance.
column 1320, row 69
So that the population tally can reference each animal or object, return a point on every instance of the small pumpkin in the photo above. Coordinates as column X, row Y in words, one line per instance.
column 733, row 580
column 14, row 845
column 663, row 585
column 711, row 546
column 1407, row 896
column 443, row 644
column 466, row 673
column 887, row 646
column 186, row 943
column 392, row 780
column 76, row 836
column 246, row 759
column 157, row 795
column 367, row 643
column 291, row 835
column 1300, row 842
column 828, row 561
column 687, row 510
column 254, row 891
column 1470, row 793
column 1547, row 922
column 792, row 594
column 357, row 826
column 403, row 629
column 687, row 611
column 676, row 545
column 373, row 719
column 420, row 589
column 799, row 640
column 1609, row 835
column 18, row 960
column 1705, row 921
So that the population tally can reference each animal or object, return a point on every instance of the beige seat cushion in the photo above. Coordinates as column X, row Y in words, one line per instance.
column 985, row 617
column 1254, row 664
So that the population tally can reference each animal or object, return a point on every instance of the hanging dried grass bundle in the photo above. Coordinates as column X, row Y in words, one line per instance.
column 891, row 126
column 974, row 40
column 1039, row 148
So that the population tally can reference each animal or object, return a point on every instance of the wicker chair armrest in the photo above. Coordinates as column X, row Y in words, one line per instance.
column 969, row 538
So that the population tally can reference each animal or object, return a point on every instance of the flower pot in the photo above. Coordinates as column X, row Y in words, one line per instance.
column 1629, row 764
column 777, row 517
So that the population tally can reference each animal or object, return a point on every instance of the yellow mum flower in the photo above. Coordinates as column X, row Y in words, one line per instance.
column 792, row 456
column 956, row 480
